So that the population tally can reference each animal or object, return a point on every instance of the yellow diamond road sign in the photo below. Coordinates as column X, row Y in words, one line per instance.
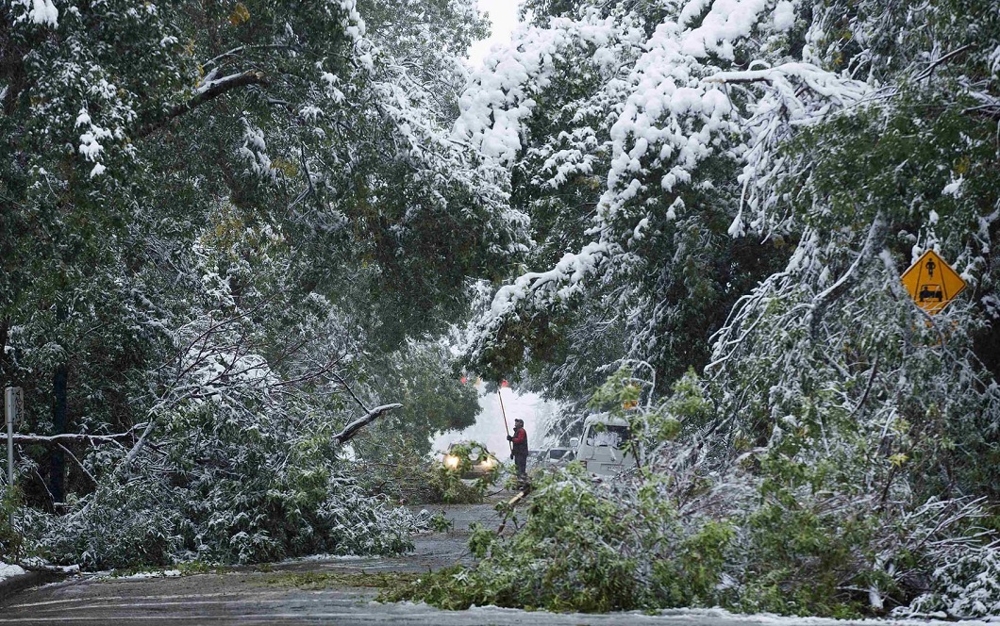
column 932, row 283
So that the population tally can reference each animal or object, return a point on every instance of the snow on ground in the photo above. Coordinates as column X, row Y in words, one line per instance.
column 700, row 617
column 7, row 571
column 722, row 616
column 168, row 573
column 326, row 557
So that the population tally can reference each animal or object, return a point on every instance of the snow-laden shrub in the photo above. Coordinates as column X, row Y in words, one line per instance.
column 146, row 523
column 10, row 529
column 702, row 539
column 134, row 524
column 949, row 558
column 222, row 490
column 628, row 551
column 785, row 527
column 965, row 586
column 806, row 556
column 804, row 552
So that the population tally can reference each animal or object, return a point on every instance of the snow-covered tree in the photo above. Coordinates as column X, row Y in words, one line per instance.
column 735, row 186
column 673, row 155
column 218, row 211
column 626, row 156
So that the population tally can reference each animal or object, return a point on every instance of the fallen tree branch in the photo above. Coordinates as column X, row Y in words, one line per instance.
column 354, row 427
column 57, row 439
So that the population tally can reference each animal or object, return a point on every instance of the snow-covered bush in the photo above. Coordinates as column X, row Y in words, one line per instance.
column 226, row 493
column 11, row 531
column 964, row 584
column 135, row 524
column 535, row 568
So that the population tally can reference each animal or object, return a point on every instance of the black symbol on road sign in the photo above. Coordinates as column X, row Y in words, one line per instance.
column 931, row 292
column 932, row 283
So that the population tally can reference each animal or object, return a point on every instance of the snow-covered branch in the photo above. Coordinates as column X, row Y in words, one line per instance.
column 205, row 92
column 58, row 439
column 873, row 243
column 354, row 427
column 843, row 91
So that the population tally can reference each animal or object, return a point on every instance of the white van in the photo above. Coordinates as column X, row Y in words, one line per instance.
column 601, row 449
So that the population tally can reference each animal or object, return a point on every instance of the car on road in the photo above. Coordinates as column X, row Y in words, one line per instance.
column 536, row 458
column 605, row 449
column 471, row 459
column 559, row 456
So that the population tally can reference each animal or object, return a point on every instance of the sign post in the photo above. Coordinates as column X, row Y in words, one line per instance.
column 14, row 406
column 932, row 283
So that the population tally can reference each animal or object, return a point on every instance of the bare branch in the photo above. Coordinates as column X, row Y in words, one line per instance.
column 57, row 439
column 354, row 427
column 82, row 468
column 954, row 53
column 350, row 391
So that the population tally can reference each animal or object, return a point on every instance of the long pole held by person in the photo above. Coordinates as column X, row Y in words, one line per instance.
column 504, row 413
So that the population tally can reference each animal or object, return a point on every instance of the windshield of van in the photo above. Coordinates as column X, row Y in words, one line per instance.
column 609, row 435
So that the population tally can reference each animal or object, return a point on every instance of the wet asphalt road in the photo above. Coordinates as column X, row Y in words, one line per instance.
column 251, row 597
column 247, row 598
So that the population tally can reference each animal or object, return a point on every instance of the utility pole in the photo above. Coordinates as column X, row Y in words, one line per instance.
column 14, row 405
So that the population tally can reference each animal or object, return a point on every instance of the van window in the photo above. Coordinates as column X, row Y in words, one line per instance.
column 609, row 435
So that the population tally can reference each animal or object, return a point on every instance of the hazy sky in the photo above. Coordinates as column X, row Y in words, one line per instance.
column 503, row 14
column 489, row 426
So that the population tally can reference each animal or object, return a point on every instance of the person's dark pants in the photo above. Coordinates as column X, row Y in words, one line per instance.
column 521, row 463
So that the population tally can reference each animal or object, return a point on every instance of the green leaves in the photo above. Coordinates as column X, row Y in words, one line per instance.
column 231, row 218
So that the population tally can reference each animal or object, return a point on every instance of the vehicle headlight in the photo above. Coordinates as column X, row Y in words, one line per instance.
column 489, row 462
column 451, row 461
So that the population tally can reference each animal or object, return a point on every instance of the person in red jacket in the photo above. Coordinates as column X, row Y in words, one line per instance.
column 519, row 447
